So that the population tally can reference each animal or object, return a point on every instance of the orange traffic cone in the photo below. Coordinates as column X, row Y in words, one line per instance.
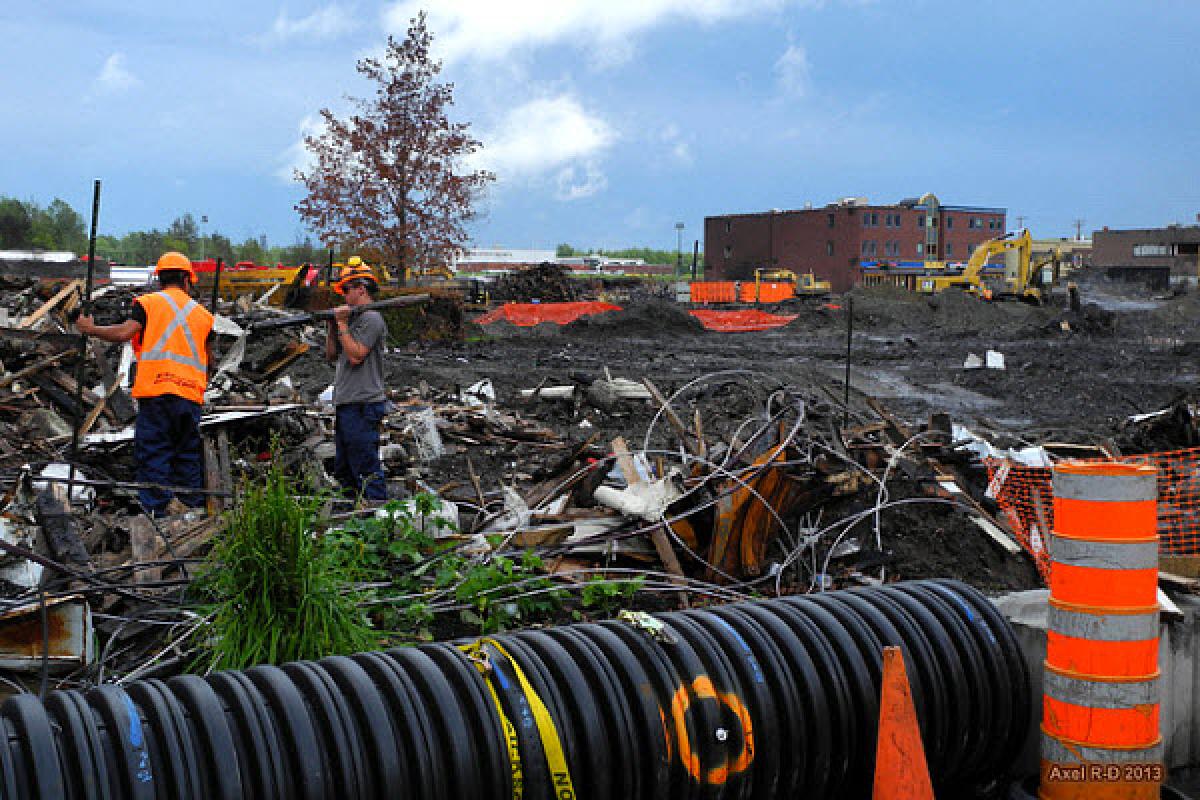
column 900, row 769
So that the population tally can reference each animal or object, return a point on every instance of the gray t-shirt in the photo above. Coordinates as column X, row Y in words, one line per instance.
column 364, row 383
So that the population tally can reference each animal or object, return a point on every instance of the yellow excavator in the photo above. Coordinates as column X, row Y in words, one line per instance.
column 805, row 283
column 1023, row 279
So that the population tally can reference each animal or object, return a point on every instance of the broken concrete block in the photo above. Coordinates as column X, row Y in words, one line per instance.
column 973, row 362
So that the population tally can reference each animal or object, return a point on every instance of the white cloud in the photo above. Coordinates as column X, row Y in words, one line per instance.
column 678, row 146
column 577, row 182
column 792, row 70
column 329, row 22
column 549, row 135
column 114, row 77
column 298, row 157
column 486, row 30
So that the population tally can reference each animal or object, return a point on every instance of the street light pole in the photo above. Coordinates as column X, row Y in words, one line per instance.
column 678, row 248
column 203, row 222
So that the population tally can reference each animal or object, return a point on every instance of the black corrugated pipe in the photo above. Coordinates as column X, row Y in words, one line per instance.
column 762, row 700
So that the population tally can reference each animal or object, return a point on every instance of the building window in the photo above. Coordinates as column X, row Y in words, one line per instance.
column 1153, row 250
column 728, row 250
column 949, row 250
column 866, row 248
column 831, row 219
column 920, row 249
column 949, row 223
column 829, row 247
column 874, row 220
column 976, row 222
column 970, row 250
column 993, row 224
column 728, row 225
column 866, row 220
column 921, row 221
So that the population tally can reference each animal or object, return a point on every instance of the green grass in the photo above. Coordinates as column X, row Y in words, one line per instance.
column 279, row 592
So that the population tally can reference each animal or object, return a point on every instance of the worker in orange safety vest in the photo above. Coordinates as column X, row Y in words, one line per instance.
column 172, row 338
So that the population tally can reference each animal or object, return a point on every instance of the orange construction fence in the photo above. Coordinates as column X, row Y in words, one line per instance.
column 529, row 314
column 741, row 321
column 713, row 292
column 1025, row 496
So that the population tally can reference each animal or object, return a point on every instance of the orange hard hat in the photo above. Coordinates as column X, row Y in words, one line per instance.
column 352, row 272
column 175, row 260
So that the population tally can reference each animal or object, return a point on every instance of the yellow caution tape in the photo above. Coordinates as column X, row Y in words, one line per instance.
column 560, row 773
column 478, row 655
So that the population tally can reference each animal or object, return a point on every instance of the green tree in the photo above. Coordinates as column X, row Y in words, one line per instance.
column 564, row 250
column 16, row 225
column 390, row 177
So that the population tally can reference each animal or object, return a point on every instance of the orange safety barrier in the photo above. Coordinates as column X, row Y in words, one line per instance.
column 766, row 292
column 528, row 314
column 713, row 292
column 1025, row 496
column 741, row 321
column 1100, row 712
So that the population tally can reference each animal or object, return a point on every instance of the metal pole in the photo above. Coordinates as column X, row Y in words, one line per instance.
column 678, row 248
column 849, row 339
column 216, row 293
column 85, row 308
column 695, row 257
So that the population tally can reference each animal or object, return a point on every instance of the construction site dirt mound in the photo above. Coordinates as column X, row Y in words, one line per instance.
column 651, row 317
column 546, row 283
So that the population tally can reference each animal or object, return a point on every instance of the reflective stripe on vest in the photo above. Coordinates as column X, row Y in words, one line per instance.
column 170, row 360
column 158, row 351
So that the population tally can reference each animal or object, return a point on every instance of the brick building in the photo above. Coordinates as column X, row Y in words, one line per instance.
column 1157, row 256
column 834, row 240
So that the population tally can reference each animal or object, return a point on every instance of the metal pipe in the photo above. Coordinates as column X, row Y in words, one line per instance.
column 85, row 308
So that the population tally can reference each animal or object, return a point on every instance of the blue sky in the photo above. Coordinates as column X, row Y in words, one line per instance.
column 607, row 121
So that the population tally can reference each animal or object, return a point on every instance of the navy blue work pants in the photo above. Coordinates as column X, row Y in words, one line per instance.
column 166, row 447
column 356, row 436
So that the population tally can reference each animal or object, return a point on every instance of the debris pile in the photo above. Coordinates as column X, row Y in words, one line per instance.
column 546, row 283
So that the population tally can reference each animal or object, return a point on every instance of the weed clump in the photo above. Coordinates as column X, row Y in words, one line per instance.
column 278, row 591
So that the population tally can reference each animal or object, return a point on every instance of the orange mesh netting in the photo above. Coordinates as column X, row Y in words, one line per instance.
column 527, row 314
column 1026, row 499
column 741, row 321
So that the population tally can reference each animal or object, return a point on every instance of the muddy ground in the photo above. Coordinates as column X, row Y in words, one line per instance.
column 1068, row 377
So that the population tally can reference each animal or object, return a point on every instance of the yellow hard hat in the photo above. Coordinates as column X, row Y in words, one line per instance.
column 352, row 272
column 175, row 260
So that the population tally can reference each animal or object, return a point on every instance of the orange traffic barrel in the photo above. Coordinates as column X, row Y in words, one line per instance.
column 1100, row 704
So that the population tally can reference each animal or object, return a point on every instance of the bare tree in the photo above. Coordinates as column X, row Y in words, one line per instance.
column 389, row 179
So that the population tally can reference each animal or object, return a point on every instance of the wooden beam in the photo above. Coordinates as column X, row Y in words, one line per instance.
column 50, row 304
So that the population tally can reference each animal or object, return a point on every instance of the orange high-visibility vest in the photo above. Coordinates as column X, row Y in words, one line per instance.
column 171, row 353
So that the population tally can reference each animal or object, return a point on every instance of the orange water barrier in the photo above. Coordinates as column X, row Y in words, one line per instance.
column 713, row 291
column 1100, row 706
column 767, row 292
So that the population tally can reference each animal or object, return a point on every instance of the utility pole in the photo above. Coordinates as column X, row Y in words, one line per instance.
column 678, row 248
column 1020, row 222
column 1079, row 230
column 203, row 222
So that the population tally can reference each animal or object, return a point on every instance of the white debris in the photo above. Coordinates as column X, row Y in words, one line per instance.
column 81, row 495
column 480, row 393
column 973, row 362
column 995, row 359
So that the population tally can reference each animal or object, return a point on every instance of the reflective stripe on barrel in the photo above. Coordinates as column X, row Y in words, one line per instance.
column 1101, row 694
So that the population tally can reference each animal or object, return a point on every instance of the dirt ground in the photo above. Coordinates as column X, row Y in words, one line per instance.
column 1068, row 377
